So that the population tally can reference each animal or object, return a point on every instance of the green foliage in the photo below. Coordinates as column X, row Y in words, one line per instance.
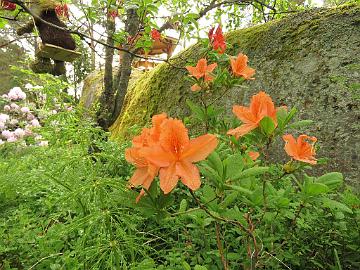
column 64, row 207
column 69, row 205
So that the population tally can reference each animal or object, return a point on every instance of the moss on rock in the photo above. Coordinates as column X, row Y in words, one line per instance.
column 309, row 60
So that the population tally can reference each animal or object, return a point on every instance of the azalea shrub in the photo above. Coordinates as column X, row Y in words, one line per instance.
column 235, row 208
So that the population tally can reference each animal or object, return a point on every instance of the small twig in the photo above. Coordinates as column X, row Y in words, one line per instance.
column 277, row 260
column 14, row 40
column 7, row 18
column 81, row 35
column 233, row 222
column 42, row 259
column 220, row 247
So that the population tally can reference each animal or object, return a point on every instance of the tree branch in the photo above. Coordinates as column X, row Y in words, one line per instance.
column 81, row 35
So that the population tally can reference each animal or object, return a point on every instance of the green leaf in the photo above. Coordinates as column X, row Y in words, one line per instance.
column 199, row 267
column 197, row 111
column 233, row 165
column 254, row 171
column 208, row 194
column 313, row 189
column 335, row 205
column 216, row 163
column 290, row 116
column 210, row 173
column 257, row 197
column 2, row 23
column 332, row 180
column 229, row 199
column 183, row 205
column 301, row 123
column 281, row 117
column 240, row 189
column 186, row 266
column 165, row 200
column 267, row 125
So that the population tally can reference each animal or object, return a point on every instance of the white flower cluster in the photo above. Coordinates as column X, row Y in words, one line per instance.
column 17, row 121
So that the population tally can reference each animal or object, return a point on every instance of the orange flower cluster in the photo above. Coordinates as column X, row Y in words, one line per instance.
column 201, row 70
column 261, row 106
column 239, row 67
column 300, row 149
column 166, row 149
column 217, row 39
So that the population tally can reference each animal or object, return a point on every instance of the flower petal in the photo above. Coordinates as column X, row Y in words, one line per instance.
column 195, row 88
column 247, row 73
column 244, row 114
column 253, row 155
column 290, row 145
column 211, row 67
column 133, row 156
column 194, row 72
column 199, row 148
column 168, row 178
column 157, row 155
column 189, row 174
column 174, row 136
column 140, row 176
column 242, row 130
column 146, row 185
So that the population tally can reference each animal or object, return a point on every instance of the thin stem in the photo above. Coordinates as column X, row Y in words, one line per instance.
column 230, row 221
column 205, row 111
column 220, row 247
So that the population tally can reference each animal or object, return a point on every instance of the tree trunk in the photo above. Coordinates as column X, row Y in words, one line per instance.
column 107, row 98
column 92, row 44
column 123, row 76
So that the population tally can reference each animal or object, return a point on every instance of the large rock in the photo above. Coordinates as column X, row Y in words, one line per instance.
column 309, row 60
column 11, row 54
column 94, row 86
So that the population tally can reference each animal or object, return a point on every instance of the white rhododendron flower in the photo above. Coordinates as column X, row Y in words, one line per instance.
column 4, row 117
column 43, row 143
column 19, row 132
column 25, row 110
column 6, row 133
column 35, row 123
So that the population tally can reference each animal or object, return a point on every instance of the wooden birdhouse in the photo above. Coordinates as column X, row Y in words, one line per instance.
column 56, row 53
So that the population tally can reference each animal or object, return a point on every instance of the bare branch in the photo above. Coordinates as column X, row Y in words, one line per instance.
column 81, row 35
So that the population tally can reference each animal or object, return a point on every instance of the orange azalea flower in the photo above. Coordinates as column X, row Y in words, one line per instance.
column 261, row 105
column 300, row 149
column 145, row 171
column 253, row 155
column 239, row 67
column 176, row 153
column 202, row 70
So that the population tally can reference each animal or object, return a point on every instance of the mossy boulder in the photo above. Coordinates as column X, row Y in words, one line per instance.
column 94, row 86
column 309, row 60
column 11, row 55
column 92, row 89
